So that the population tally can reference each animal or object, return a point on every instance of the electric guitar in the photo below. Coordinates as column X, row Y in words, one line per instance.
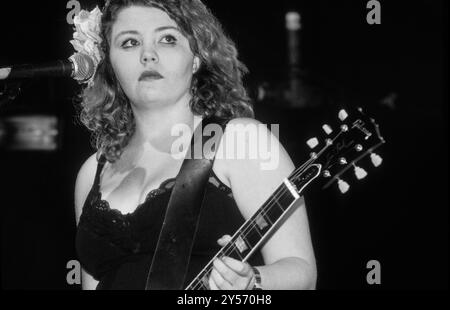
column 358, row 136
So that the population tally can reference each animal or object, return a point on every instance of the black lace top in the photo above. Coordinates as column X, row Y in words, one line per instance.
column 117, row 249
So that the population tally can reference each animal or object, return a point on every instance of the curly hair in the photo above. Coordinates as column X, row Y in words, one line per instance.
column 217, row 87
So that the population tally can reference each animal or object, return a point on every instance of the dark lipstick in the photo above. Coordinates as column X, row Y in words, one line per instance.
column 150, row 74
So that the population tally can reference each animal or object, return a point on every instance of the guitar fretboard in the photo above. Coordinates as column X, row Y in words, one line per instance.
column 254, row 231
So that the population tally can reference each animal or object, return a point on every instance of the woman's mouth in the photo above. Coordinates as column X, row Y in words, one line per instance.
column 150, row 75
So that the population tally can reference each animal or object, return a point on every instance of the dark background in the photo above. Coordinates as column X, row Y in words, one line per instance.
column 398, row 215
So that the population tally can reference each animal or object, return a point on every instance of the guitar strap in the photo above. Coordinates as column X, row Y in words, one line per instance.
column 173, row 251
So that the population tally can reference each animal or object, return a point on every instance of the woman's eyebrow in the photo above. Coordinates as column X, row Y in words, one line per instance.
column 162, row 28
column 125, row 32
column 159, row 29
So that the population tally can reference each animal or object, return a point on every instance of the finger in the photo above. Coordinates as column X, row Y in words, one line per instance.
column 226, row 272
column 241, row 268
column 224, row 240
column 212, row 284
column 219, row 280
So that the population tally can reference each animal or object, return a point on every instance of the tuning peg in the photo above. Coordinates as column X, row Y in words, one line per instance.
column 343, row 186
column 359, row 148
column 312, row 143
column 376, row 159
column 360, row 172
column 327, row 129
column 343, row 115
column 342, row 161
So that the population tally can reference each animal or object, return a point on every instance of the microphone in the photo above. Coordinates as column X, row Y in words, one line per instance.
column 79, row 66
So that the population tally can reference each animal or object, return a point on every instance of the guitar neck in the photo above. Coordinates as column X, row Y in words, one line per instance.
column 356, row 138
column 259, row 227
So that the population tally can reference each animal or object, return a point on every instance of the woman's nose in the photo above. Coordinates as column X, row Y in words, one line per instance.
column 149, row 55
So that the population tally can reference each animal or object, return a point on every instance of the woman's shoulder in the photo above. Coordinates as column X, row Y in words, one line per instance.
column 243, row 121
column 234, row 129
column 246, row 125
column 85, row 179
column 248, row 135
column 252, row 161
column 89, row 167
column 249, row 147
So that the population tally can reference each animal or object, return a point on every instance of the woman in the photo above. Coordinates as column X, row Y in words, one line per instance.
column 169, row 63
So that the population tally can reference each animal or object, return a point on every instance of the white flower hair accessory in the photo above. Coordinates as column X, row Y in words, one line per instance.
column 86, row 38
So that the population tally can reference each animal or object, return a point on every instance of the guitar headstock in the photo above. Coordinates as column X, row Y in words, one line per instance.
column 343, row 148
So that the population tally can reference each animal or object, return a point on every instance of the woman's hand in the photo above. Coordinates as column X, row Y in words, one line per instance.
column 229, row 273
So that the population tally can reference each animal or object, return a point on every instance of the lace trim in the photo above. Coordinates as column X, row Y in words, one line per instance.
column 112, row 225
column 167, row 185
column 117, row 228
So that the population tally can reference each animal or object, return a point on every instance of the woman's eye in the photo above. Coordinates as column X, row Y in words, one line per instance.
column 169, row 39
column 129, row 43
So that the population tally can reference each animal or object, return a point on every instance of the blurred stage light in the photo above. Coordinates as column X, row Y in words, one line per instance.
column 29, row 133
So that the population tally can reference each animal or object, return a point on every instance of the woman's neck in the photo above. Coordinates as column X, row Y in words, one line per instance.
column 154, row 126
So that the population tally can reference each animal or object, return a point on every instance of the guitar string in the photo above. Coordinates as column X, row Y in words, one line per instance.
column 197, row 282
column 225, row 250
column 245, row 233
column 248, row 228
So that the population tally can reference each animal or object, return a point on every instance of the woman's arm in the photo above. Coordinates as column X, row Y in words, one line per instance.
column 85, row 179
column 87, row 281
column 288, row 253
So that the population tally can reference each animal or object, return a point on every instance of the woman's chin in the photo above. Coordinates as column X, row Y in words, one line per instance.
column 151, row 100
column 149, row 95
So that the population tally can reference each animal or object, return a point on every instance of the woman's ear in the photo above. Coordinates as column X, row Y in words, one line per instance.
column 195, row 64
